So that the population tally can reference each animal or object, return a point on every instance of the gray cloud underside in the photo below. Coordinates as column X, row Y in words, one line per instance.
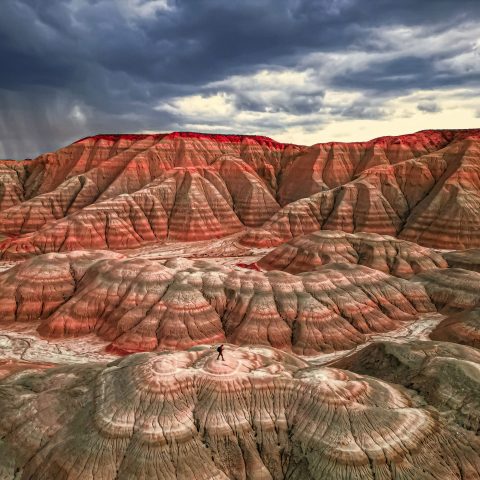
column 76, row 67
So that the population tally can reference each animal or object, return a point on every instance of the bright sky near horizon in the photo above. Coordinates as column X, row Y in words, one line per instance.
column 300, row 71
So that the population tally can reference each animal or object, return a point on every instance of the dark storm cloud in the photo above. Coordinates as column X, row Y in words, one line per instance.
column 292, row 102
column 75, row 67
column 428, row 106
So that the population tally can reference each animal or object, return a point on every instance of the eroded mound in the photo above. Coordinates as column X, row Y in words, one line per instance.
column 257, row 415
column 451, row 289
column 445, row 374
column 463, row 328
column 467, row 259
column 143, row 304
column 384, row 253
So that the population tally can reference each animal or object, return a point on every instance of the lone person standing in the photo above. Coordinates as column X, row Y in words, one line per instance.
column 220, row 352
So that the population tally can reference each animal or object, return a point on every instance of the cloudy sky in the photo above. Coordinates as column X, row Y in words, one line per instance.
column 301, row 71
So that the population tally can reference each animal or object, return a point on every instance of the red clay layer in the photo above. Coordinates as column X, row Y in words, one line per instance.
column 249, row 266
column 222, row 138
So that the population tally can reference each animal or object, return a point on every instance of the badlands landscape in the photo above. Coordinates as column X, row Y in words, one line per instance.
column 342, row 278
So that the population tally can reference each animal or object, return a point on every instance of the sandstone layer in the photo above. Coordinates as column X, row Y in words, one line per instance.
column 260, row 414
column 142, row 304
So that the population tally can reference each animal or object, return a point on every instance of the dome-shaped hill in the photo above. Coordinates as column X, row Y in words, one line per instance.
column 384, row 253
column 462, row 328
column 259, row 414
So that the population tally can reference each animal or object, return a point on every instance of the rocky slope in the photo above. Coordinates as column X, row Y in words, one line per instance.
column 463, row 328
column 446, row 375
column 467, row 259
column 142, row 304
column 452, row 289
column 169, row 244
column 432, row 199
column 384, row 253
column 124, row 191
column 260, row 414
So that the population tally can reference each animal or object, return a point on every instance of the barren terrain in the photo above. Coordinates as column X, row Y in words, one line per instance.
column 343, row 280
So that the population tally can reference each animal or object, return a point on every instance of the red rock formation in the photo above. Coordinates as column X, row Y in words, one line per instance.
column 329, row 165
column 143, row 304
column 122, row 191
column 182, row 205
column 431, row 199
column 387, row 254
column 258, row 414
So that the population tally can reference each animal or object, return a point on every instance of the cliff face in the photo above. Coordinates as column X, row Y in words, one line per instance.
column 124, row 191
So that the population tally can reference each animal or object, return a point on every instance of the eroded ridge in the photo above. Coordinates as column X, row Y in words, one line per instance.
column 431, row 199
column 143, row 304
column 260, row 414
column 451, row 289
column 445, row 374
column 380, row 252
column 463, row 328
column 128, row 191
column 467, row 259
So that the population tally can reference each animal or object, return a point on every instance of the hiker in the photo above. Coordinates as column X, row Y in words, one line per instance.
column 220, row 352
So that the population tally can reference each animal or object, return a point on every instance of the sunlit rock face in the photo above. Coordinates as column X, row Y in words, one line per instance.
column 260, row 414
column 446, row 375
column 380, row 252
column 126, row 191
column 463, row 328
column 430, row 198
column 183, row 188
column 144, row 304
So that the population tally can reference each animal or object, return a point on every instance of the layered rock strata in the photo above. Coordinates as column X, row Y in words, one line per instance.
column 380, row 252
column 451, row 289
column 430, row 199
column 463, row 328
column 143, row 304
column 445, row 374
column 125, row 191
column 467, row 259
column 259, row 414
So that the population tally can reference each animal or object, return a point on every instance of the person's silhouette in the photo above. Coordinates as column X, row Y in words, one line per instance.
column 220, row 352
